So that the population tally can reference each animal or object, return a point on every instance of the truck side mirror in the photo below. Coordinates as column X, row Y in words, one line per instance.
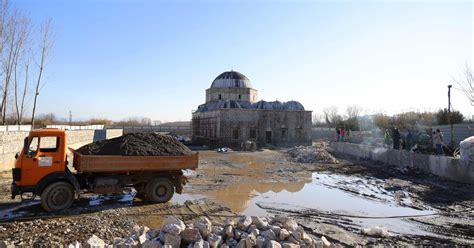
column 25, row 143
column 17, row 155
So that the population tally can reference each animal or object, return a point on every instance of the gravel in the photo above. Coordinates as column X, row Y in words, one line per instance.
column 137, row 144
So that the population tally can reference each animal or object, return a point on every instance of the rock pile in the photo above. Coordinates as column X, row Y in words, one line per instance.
column 311, row 154
column 137, row 144
column 246, row 231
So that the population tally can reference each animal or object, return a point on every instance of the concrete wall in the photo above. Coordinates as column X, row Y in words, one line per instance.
column 12, row 142
column 446, row 167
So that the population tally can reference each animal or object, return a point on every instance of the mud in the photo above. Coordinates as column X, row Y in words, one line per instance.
column 137, row 144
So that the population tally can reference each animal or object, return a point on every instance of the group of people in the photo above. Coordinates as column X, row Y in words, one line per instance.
column 409, row 141
column 342, row 134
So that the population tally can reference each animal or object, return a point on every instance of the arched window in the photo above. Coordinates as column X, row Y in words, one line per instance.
column 240, row 96
column 220, row 97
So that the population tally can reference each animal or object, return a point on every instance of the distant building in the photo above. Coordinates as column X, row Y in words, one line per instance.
column 232, row 115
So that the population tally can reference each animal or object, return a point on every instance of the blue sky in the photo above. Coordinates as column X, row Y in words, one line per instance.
column 117, row 59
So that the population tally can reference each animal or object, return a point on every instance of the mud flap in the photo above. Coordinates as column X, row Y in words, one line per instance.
column 179, row 182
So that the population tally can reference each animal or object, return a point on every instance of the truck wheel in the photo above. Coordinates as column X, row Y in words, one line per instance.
column 57, row 196
column 159, row 190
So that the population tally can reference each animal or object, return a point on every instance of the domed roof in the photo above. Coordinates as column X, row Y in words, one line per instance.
column 293, row 105
column 231, row 79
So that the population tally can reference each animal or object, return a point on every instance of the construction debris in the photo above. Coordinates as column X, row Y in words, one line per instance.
column 311, row 154
column 245, row 231
column 224, row 149
column 137, row 144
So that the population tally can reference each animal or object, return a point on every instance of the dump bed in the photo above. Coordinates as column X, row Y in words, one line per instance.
column 115, row 163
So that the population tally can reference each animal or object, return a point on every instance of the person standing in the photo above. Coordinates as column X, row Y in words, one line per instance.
column 438, row 142
column 396, row 138
column 386, row 138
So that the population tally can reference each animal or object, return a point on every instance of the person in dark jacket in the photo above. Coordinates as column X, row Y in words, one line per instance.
column 396, row 138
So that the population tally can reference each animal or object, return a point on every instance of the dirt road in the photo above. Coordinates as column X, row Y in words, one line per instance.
column 340, row 201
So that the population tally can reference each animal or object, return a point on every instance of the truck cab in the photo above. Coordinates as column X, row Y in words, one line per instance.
column 42, row 161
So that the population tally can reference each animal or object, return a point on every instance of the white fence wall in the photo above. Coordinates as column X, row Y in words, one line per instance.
column 15, row 128
column 68, row 127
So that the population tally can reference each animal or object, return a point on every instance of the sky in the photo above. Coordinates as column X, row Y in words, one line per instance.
column 120, row 59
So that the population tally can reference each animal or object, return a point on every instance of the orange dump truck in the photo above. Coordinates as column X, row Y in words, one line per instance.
column 42, row 169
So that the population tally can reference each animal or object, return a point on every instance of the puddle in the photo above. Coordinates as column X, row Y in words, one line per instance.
column 321, row 192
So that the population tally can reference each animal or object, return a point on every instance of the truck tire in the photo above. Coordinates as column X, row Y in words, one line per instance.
column 159, row 190
column 57, row 196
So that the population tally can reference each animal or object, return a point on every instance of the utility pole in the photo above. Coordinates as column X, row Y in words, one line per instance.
column 449, row 115
column 70, row 117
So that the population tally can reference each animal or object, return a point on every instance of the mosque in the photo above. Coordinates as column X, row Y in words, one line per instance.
column 232, row 115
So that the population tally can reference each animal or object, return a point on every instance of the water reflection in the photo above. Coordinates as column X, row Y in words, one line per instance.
column 238, row 196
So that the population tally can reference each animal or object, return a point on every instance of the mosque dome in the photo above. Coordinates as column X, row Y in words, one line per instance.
column 293, row 105
column 231, row 79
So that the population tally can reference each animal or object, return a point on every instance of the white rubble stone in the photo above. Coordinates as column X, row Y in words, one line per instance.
column 173, row 240
column 223, row 246
column 288, row 223
column 260, row 242
column 241, row 244
column 229, row 231
column 230, row 222
column 214, row 240
column 326, row 242
column 152, row 234
column 284, row 234
column 268, row 234
column 172, row 229
column 76, row 244
column 289, row 245
column 250, row 240
column 296, row 235
column 237, row 233
column 152, row 244
column 139, row 230
column 174, row 220
column 142, row 238
column 255, row 232
column 168, row 246
column 217, row 230
column 275, row 229
column 125, row 242
column 95, row 242
column 306, row 238
column 190, row 235
column 201, row 244
column 251, row 228
column 204, row 226
column 378, row 231
column 260, row 222
column 272, row 244
column 244, row 222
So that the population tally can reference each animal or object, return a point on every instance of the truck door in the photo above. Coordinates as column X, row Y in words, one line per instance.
column 43, row 157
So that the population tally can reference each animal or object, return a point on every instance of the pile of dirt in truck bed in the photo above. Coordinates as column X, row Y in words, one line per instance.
column 137, row 144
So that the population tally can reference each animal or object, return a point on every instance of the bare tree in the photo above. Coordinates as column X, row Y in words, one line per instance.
column 353, row 111
column 466, row 82
column 45, row 45
column 21, row 53
column 332, row 116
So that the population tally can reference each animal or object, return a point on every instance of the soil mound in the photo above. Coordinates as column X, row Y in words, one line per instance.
column 137, row 144
column 311, row 154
